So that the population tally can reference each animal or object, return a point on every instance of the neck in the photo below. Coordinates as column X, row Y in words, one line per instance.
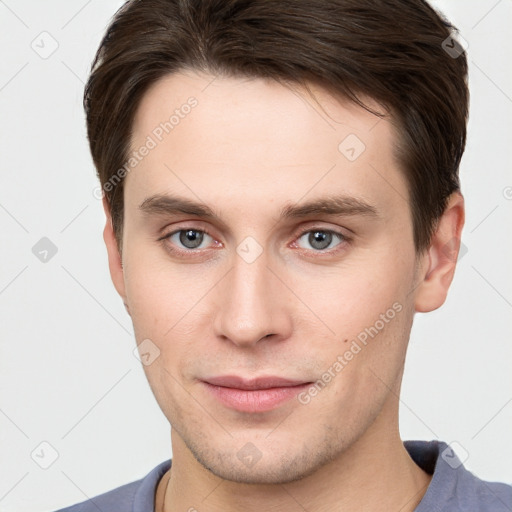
column 376, row 473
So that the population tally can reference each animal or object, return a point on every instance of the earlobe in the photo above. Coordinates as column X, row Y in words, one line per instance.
column 440, row 260
column 114, row 258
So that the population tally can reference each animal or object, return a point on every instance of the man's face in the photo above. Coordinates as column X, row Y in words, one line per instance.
column 258, row 286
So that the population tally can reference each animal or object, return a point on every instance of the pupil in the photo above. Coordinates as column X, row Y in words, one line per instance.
column 320, row 239
column 191, row 238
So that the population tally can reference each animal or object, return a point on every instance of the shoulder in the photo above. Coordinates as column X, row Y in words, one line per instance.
column 122, row 497
column 476, row 495
column 137, row 496
column 453, row 488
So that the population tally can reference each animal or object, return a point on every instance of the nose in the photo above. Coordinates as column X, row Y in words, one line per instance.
column 252, row 304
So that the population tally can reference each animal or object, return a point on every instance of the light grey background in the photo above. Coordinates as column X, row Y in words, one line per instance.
column 68, row 376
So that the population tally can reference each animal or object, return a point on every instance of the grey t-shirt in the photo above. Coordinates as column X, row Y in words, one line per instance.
column 452, row 488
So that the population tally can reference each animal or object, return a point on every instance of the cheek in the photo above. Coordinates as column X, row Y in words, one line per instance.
column 159, row 293
column 171, row 305
column 354, row 296
column 369, row 308
column 361, row 369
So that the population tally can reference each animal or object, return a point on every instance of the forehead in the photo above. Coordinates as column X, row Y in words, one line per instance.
column 213, row 135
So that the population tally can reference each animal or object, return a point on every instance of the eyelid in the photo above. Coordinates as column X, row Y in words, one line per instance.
column 339, row 231
column 343, row 241
column 183, row 226
column 184, row 223
column 172, row 247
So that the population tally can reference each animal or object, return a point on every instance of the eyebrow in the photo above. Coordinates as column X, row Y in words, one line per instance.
column 334, row 205
column 166, row 204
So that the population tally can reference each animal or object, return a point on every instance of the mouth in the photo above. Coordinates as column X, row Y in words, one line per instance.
column 260, row 394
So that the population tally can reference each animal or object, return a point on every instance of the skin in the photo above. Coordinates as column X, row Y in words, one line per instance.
column 247, row 150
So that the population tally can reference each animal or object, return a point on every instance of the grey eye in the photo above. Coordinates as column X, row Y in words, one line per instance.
column 319, row 240
column 190, row 238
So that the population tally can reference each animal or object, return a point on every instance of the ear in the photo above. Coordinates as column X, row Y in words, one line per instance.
column 115, row 263
column 437, row 267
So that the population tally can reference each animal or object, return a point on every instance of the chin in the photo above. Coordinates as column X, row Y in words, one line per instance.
column 269, row 469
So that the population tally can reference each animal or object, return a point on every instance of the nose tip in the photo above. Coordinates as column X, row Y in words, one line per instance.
column 251, row 309
column 245, row 333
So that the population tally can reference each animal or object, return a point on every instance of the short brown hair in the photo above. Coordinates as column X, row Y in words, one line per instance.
column 392, row 51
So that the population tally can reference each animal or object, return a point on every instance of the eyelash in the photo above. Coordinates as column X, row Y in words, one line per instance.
column 343, row 241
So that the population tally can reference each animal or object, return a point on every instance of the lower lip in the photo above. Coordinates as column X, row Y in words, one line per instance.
column 258, row 400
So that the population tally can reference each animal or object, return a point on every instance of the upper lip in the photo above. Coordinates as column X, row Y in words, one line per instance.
column 265, row 382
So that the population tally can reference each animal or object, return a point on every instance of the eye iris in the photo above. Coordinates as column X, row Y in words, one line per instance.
column 191, row 238
column 320, row 239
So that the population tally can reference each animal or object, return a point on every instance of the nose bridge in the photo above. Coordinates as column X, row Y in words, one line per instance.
column 250, row 308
